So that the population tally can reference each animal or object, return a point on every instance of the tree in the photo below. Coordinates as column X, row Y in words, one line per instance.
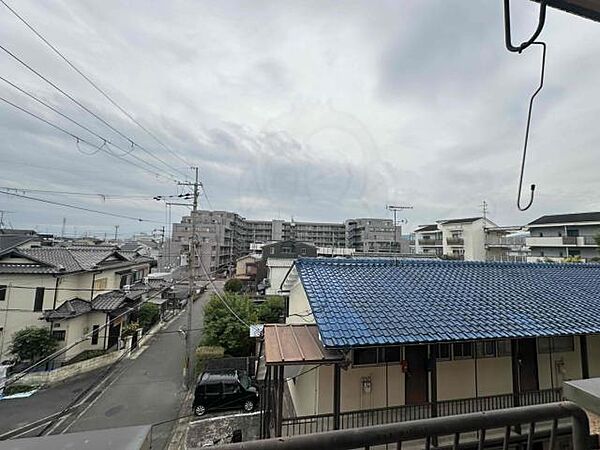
column 33, row 343
column 271, row 310
column 148, row 315
column 573, row 259
column 222, row 328
column 233, row 285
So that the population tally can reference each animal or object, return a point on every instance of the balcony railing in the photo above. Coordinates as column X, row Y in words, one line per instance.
column 430, row 242
column 362, row 418
column 569, row 240
column 589, row 240
column 455, row 241
column 505, row 428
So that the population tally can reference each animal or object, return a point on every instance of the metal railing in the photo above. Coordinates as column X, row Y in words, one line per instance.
column 430, row 242
column 569, row 240
column 589, row 240
column 455, row 241
column 368, row 417
column 503, row 428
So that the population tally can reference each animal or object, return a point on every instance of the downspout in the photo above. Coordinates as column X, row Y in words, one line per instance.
column 54, row 300
column 8, row 292
column 93, row 282
column 106, row 331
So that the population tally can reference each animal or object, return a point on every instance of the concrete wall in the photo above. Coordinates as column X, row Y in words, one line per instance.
column 594, row 355
column 65, row 372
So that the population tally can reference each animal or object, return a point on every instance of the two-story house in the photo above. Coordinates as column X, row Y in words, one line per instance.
column 559, row 236
column 369, row 341
column 47, row 282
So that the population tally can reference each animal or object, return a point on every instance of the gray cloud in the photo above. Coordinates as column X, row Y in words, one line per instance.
column 317, row 110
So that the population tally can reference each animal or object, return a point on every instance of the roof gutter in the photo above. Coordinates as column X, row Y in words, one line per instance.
column 287, row 274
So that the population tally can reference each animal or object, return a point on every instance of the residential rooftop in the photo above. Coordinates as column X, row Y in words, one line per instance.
column 567, row 218
column 367, row 302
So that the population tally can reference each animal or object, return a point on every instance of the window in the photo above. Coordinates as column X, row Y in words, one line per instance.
column 486, row 349
column 38, row 302
column 556, row 344
column 59, row 335
column 390, row 354
column 100, row 284
column 503, row 348
column 95, row 334
column 303, row 251
column 213, row 389
column 443, row 353
column 365, row 356
column 3, row 289
column 230, row 388
column 462, row 350
column 572, row 233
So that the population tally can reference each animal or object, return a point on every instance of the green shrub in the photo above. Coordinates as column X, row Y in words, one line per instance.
column 233, row 285
column 148, row 315
column 223, row 328
column 271, row 310
column 33, row 343
column 18, row 389
column 129, row 329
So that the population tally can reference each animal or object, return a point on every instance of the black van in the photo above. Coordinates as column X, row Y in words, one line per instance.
column 229, row 389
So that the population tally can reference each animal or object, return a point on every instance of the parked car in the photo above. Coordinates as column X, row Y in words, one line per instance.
column 228, row 389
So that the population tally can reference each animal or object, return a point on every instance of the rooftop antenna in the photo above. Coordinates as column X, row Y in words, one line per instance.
column 395, row 209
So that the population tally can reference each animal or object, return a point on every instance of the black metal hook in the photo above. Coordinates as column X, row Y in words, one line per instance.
column 534, row 36
column 524, row 157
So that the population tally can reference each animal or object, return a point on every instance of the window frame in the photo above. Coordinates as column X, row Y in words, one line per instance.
column 38, row 299
column 95, row 334
column 59, row 335
column 462, row 346
column 3, row 291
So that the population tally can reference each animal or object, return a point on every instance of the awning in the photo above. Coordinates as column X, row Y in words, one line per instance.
column 297, row 344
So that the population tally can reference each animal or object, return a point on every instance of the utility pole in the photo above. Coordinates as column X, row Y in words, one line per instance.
column 395, row 210
column 64, row 225
column 116, row 232
column 192, row 279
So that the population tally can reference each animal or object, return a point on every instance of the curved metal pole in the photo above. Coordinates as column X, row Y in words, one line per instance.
column 534, row 36
column 524, row 157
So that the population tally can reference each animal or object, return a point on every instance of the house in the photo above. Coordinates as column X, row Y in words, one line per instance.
column 38, row 280
column 276, row 260
column 375, row 341
column 14, row 239
column 76, row 318
column 245, row 267
column 559, row 236
column 471, row 239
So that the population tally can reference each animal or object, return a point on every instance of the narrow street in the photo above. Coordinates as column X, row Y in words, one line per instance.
column 146, row 389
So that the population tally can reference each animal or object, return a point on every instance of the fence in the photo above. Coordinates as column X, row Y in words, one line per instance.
column 353, row 419
column 245, row 363
column 504, row 428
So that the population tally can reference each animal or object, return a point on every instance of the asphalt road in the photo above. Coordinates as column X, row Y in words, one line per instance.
column 148, row 389
column 15, row 413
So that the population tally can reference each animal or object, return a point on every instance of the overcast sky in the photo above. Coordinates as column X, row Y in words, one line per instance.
column 318, row 110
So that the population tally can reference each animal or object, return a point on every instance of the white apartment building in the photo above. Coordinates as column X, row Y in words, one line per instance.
column 470, row 239
column 559, row 236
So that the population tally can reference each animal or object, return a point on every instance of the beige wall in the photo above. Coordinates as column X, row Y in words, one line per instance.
column 313, row 392
column 78, row 327
column 298, row 304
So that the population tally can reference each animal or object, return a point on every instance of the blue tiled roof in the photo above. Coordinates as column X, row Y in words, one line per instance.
column 377, row 302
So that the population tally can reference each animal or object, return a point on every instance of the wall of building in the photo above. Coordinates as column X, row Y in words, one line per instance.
column 594, row 355
column 299, row 306
column 304, row 391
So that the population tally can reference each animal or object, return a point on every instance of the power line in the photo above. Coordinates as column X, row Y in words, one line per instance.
column 81, row 208
column 101, row 91
column 78, row 139
column 219, row 295
column 82, row 194
column 85, row 108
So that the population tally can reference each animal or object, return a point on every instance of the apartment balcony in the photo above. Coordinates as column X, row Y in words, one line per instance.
column 455, row 241
column 430, row 242
column 294, row 426
column 562, row 241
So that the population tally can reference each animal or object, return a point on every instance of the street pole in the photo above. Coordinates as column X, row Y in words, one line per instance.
column 189, row 372
column 192, row 288
column 394, row 210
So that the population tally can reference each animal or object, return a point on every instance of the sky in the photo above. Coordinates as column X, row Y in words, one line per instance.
column 316, row 110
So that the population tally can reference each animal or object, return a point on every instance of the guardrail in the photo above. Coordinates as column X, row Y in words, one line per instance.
column 515, row 426
column 360, row 418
